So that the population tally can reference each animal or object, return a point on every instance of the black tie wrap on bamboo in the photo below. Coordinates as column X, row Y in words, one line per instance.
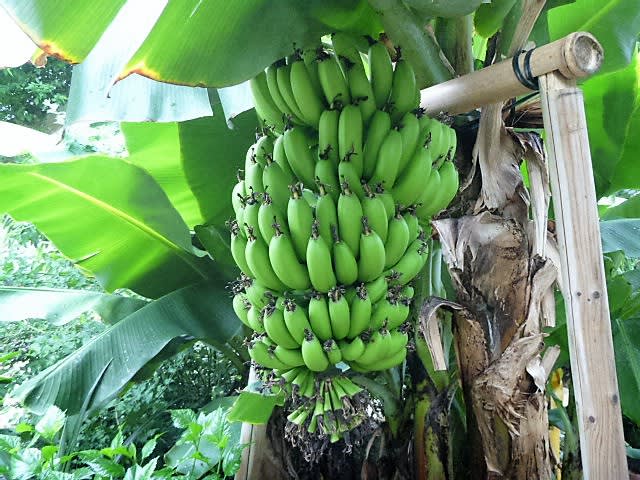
column 526, row 78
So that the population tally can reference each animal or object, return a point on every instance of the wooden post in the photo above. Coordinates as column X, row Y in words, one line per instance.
column 590, row 343
column 256, row 461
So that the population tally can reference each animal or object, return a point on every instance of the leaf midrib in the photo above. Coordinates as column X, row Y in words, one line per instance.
column 180, row 252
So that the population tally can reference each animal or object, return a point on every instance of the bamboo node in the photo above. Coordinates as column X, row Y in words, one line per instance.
column 583, row 55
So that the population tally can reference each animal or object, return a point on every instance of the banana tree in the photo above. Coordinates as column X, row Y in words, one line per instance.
column 147, row 245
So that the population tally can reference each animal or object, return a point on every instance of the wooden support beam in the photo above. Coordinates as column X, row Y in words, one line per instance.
column 590, row 343
column 576, row 55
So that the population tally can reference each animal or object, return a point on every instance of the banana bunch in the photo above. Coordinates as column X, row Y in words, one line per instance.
column 330, row 216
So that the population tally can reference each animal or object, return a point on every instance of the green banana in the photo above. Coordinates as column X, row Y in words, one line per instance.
column 284, row 261
column 251, row 214
column 351, row 350
column 238, row 247
column 372, row 254
column 489, row 18
column 309, row 58
column 411, row 262
column 409, row 185
column 289, row 356
column 412, row 223
column 407, row 292
column 299, row 155
column 381, row 311
column 268, row 214
column 326, row 213
column 237, row 195
column 254, row 319
column 345, row 47
column 347, row 173
column 344, row 262
column 373, row 208
column 385, row 363
column 349, row 215
column 271, row 73
column 253, row 177
column 263, row 149
column 350, row 131
column 377, row 289
column 349, row 293
column 257, row 255
column 276, row 182
column 399, row 313
column 397, row 240
column 258, row 294
column 333, row 351
column 386, row 168
column 306, row 96
column 299, row 219
column 426, row 124
column 296, row 320
column 266, row 109
column 334, row 85
column 274, row 325
column 387, row 199
column 376, row 133
column 360, row 312
column 409, row 128
column 261, row 354
column 313, row 354
column 452, row 143
column 381, row 70
column 448, row 189
column 328, row 136
column 426, row 199
column 241, row 308
column 319, row 316
column 360, row 89
column 283, row 77
column 326, row 174
column 402, row 98
column 319, row 262
column 280, row 157
column 339, row 314
column 373, row 350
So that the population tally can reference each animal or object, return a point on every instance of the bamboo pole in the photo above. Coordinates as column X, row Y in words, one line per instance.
column 590, row 343
column 576, row 55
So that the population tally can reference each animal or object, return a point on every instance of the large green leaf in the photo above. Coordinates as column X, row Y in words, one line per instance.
column 628, row 209
column 212, row 155
column 214, row 43
column 110, row 217
column 61, row 306
column 156, row 148
column 68, row 29
column 201, row 311
column 613, row 117
column 223, row 43
column 621, row 235
column 626, row 342
column 615, row 23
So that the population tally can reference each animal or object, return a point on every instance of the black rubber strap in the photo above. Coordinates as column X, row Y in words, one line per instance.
column 527, row 79
column 527, row 70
